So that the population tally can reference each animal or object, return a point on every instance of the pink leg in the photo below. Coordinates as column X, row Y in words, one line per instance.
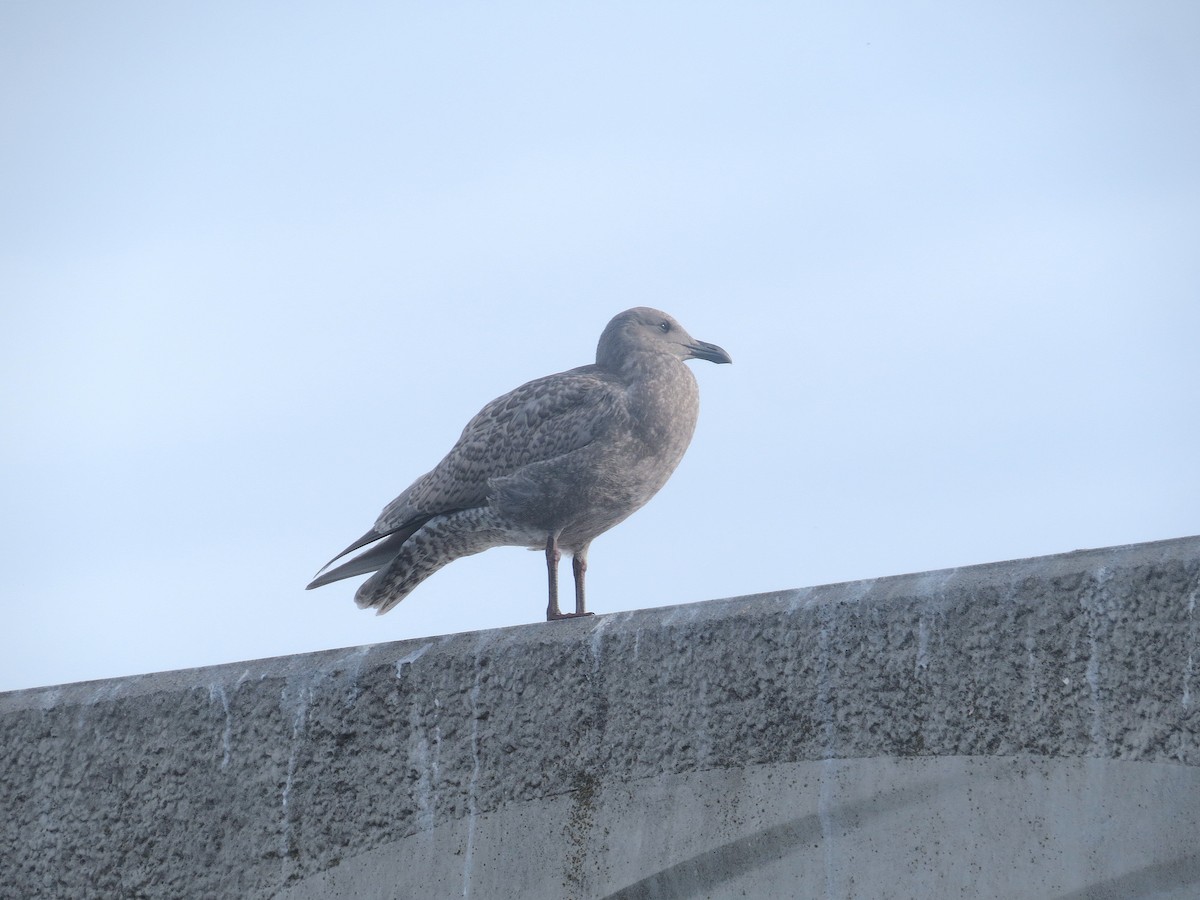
column 579, row 568
column 552, row 558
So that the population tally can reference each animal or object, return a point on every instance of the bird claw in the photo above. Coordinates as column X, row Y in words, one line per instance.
column 551, row 617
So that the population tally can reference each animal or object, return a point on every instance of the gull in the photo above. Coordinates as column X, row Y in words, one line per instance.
column 549, row 466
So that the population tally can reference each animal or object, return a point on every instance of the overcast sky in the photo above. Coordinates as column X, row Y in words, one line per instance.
column 260, row 262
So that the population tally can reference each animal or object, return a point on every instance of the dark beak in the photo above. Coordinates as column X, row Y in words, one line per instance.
column 711, row 352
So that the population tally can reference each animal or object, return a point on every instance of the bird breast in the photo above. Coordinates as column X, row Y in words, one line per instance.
column 585, row 492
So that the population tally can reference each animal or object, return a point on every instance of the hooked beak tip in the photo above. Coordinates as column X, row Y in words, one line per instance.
column 710, row 352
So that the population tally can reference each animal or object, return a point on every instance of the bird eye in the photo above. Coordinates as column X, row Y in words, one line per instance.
column 665, row 326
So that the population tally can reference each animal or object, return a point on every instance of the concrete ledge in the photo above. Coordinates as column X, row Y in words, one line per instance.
column 1011, row 730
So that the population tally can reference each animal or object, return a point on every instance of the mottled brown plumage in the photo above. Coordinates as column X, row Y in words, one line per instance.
column 550, row 465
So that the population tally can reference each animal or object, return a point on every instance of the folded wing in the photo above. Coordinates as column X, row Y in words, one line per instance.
column 538, row 421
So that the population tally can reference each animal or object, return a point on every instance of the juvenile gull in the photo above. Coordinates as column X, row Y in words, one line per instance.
column 550, row 465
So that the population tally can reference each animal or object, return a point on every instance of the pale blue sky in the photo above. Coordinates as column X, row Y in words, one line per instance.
column 260, row 262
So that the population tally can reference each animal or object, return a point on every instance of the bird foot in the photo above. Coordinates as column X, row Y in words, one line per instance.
column 551, row 617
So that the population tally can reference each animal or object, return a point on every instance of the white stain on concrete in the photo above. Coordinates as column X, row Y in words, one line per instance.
column 1190, row 667
column 473, row 784
column 299, row 704
column 825, row 804
column 217, row 692
column 426, row 758
column 595, row 640
column 409, row 658
column 1092, row 674
column 922, row 644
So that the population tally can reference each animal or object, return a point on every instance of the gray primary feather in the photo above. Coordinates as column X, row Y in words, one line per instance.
column 554, row 463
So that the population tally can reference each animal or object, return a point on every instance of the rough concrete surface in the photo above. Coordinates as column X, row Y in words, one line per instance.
column 1019, row 729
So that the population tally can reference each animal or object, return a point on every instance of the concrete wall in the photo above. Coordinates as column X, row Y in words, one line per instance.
column 1022, row 729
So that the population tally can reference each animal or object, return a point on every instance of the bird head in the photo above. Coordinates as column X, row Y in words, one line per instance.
column 646, row 330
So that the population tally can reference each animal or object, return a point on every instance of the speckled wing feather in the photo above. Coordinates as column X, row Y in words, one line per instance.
column 543, row 419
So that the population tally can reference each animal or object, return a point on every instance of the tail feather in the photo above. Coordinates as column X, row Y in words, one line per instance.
column 378, row 556
column 442, row 540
